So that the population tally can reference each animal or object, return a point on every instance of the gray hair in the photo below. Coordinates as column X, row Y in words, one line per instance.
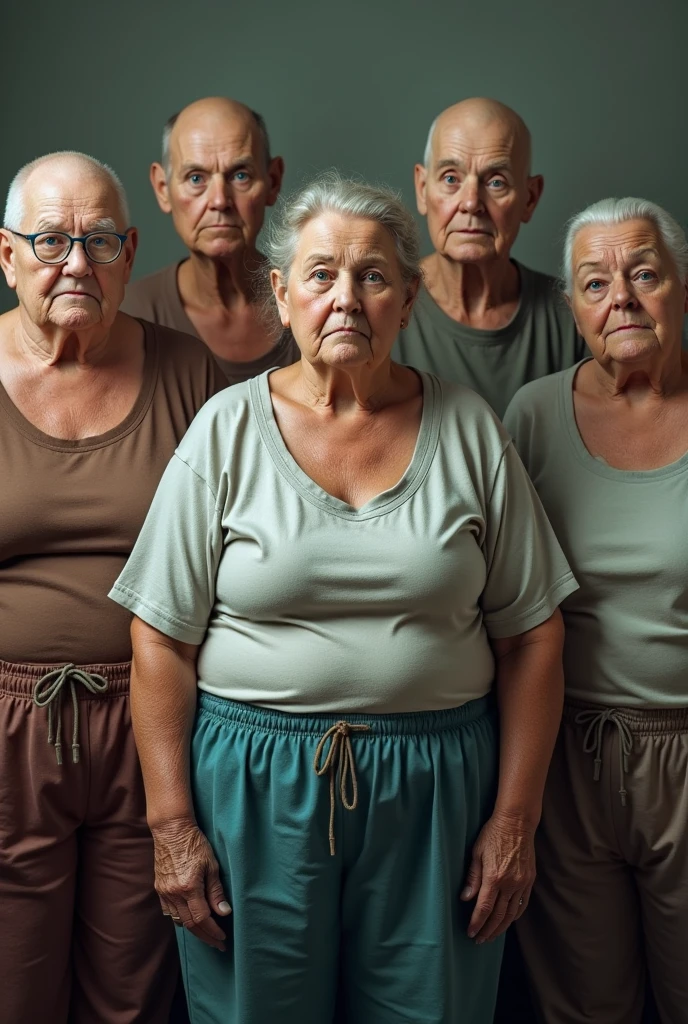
column 616, row 211
column 14, row 205
column 332, row 193
column 427, row 155
column 258, row 119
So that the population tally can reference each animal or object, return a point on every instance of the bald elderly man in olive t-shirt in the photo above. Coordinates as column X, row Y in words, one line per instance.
column 215, row 179
column 482, row 319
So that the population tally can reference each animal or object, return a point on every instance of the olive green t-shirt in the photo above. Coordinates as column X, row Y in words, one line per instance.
column 540, row 339
column 303, row 603
column 624, row 534
column 156, row 298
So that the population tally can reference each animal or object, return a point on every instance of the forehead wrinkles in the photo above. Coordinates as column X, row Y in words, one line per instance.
column 614, row 245
column 202, row 144
column 479, row 146
column 344, row 238
column 53, row 203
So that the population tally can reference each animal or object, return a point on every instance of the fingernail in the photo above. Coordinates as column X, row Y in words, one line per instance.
column 479, row 942
column 471, row 935
column 466, row 894
column 224, row 907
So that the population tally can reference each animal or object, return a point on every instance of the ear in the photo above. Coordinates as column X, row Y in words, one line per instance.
column 129, row 251
column 411, row 295
column 280, row 291
column 420, row 177
column 7, row 258
column 275, row 176
column 535, row 186
column 158, row 180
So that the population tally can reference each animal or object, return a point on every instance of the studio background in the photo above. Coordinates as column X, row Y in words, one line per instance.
column 355, row 85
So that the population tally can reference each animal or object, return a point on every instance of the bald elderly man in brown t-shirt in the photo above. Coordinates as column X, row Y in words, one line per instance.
column 216, row 178
column 92, row 405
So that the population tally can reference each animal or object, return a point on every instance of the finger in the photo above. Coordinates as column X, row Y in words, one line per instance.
column 205, row 930
column 523, row 902
column 484, row 904
column 494, row 920
column 215, row 893
column 473, row 878
column 201, row 917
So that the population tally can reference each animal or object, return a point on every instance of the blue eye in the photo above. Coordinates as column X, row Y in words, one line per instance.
column 595, row 286
column 498, row 182
column 241, row 176
column 451, row 179
column 195, row 179
column 646, row 275
column 374, row 277
column 320, row 275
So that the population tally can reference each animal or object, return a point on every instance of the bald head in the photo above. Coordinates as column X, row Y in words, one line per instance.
column 64, row 175
column 477, row 115
column 212, row 116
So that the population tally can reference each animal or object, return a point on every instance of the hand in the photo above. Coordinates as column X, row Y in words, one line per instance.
column 187, row 880
column 501, row 876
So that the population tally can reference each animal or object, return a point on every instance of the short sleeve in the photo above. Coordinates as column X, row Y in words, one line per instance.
column 527, row 573
column 169, row 579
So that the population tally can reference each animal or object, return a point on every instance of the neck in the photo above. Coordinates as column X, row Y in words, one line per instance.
column 205, row 282
column 470, row 291
column 339, row 390
column 58, row 346
column 658, row 377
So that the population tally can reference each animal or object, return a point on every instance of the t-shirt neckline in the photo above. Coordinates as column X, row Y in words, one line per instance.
column 386, row 501
column 593, row 465
column 84, row 444
column 477, row 335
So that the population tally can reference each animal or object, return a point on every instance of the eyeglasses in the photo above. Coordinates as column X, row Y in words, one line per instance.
column 55, row 246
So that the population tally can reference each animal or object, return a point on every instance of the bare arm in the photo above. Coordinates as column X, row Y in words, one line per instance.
column 163, row 705
column 530, row 694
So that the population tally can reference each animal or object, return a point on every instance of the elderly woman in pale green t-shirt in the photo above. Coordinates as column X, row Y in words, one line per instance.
column 606, row 444
column 345, row 558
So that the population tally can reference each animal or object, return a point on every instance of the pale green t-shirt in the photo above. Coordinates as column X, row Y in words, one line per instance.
column 302, row 603
column 624, row 534
column 540, row 339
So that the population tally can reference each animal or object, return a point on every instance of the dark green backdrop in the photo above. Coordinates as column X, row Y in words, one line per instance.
column 355, row 84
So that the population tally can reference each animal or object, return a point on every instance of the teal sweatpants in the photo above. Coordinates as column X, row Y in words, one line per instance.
column 376, row 933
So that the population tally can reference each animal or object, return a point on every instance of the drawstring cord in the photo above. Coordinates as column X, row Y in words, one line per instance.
column 592, row 742
column 340, row 756
column 48, row 692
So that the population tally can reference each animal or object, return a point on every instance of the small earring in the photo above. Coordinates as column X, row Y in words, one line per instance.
column 403, row 324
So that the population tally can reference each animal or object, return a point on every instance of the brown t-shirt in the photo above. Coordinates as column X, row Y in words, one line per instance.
column 156, row 298
column 70, row 511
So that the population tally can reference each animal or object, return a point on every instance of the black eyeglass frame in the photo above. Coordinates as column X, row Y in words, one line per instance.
column 72, row 239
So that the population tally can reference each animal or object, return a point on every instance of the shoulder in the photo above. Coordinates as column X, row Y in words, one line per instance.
column 147, row 295
column 545, row 292
column 185, row 365
column 470, row 426
column 536, row 397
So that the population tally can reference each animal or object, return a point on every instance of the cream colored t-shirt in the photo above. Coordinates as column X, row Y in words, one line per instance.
column 302, row 603
column 624, row 534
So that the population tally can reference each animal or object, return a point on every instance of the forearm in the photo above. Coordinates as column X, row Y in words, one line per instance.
column 163, row 704
column 530, row 694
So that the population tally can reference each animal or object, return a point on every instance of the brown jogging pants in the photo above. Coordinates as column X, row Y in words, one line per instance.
column 611, row 896
column 82, row 937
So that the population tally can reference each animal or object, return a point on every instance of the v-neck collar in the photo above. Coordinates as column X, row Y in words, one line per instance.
column 380, row 504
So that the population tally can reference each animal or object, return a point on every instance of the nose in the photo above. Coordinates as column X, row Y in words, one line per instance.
column 622, row 294
column 346, row 295
column 220, row 193
column 77, row 264
column 470, row 200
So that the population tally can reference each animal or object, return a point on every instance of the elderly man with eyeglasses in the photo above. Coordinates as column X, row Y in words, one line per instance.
column 92, row 405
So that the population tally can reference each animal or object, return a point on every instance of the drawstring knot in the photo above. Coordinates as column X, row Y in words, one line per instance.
column 48, row 693
column 340, row 756
column 592, row 741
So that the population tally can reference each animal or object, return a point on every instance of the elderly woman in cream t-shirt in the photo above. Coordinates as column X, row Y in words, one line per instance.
column 344, row 560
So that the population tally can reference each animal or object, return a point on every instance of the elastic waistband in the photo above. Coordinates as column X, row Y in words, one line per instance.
column 412, row 723
column 20, row 680
column 640, row 721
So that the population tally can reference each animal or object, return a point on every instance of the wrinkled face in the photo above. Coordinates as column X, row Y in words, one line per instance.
column 345, row 296
column 627, row 297
column 476, row 192
column 76, row 294
column 218, row 184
